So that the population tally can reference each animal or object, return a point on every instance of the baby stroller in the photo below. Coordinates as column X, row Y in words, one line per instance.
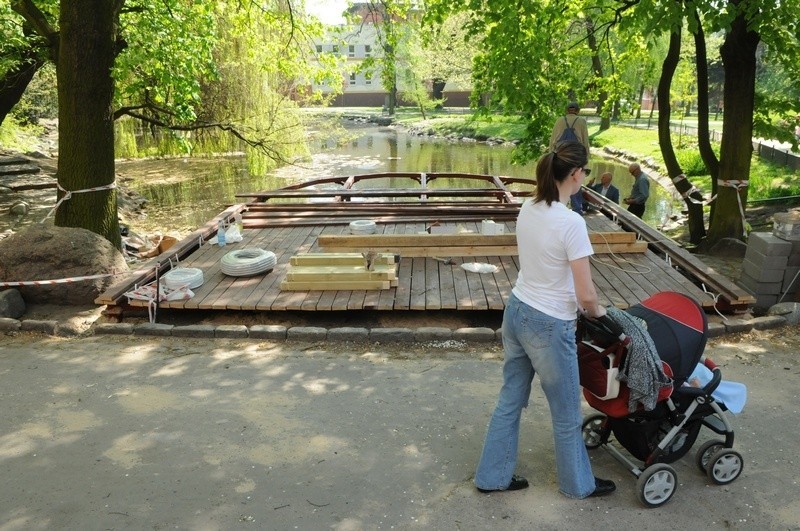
column 678, row 327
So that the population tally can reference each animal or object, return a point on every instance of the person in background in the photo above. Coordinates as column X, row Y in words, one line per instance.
column 639, row 192
column 539, row 327
column 605, row 188
column 571, row 127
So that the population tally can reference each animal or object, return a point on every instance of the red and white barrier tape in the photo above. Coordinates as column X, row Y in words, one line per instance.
column 53, row 281
column 68, row 195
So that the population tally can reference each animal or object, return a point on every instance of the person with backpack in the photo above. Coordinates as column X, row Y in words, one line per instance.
column 571, row 128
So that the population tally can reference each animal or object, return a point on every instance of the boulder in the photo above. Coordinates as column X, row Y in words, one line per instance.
column 788, row 310
column 43, row 252
column 11, row 304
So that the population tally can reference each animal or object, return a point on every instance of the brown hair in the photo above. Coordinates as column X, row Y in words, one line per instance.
column 554, row 166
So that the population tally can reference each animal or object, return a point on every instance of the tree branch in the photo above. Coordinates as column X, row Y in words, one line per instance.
column 34, row 16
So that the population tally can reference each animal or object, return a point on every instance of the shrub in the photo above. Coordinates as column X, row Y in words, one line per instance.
column 691, row 162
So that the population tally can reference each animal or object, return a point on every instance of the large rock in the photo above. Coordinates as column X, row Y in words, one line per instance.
column 12, row 304
column 41, row 252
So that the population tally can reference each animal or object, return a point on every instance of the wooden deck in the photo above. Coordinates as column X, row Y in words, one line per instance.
column 425, row 283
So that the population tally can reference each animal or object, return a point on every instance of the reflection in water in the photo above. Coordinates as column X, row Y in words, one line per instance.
column 185, row 193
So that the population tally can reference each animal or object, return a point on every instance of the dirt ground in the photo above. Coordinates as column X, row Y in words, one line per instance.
column 110, row 432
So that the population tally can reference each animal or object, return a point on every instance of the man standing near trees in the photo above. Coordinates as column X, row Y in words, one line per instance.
column 571, row 127
column 640, row 191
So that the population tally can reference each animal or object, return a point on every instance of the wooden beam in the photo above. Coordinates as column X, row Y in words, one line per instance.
column 338, row 273
column 335, row 286
column 474, row 250
column 398, row 241
column 316, row 259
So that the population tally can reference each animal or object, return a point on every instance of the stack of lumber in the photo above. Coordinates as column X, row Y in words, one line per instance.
column 339, row 271
column 437, row 245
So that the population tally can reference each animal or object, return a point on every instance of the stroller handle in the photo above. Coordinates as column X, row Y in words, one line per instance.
column 611, row 326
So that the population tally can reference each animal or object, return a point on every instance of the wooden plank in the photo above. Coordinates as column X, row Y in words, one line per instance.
column 334, row 273
column 421, row 239
column 433, row 292
column 381, row 192
column 501, row 282
column 623, row 278
column 417, row 299
column 335, row 285
column 476, row 292
column 447, row 291
column 312, row 259
column 402, row 295
column 618, row 293
column 484, row 250
column 619, row 248
column 472, row 239
column 430, row 252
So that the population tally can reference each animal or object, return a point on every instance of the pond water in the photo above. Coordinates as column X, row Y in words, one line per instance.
column 185, row 193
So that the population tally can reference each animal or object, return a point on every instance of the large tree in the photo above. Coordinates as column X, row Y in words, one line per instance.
column 87, row 48
column 526, row 67
column 142, row 59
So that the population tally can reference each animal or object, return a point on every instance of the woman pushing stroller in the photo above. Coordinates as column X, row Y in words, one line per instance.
column 539, row 322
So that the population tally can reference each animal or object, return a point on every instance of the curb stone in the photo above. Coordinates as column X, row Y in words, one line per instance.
column 383, row 335
column 306, row 333
column 33, row 325
column 347, row 333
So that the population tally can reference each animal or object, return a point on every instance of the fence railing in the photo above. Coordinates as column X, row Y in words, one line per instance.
column 776, row 155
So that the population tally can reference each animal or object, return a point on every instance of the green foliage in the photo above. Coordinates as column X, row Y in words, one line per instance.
column 168, row 54
column 17, row 137
column 40, row 99
column 691, row 162
column 769, row 180
column 125, row 139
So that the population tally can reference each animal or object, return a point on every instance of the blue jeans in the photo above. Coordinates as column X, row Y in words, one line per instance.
column 537, row 343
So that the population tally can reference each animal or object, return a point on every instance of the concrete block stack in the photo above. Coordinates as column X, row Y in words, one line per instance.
column 769, row 268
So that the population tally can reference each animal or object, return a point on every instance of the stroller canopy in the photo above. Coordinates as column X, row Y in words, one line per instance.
column 678, row 327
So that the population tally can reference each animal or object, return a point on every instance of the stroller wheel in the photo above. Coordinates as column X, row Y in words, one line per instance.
column 656, row 485
column 725, row 466
column 594, row 431
column 703, row 456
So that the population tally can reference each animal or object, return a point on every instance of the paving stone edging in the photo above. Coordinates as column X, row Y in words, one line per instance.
column 346, row 334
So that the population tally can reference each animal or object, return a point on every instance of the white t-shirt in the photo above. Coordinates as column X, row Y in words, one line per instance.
column 548, row 239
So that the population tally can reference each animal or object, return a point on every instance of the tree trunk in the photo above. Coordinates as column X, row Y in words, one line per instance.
column 703, row 137
column 16, row 80
column 640, row 99
column 597, row 69
column 696, row 224
column 739, row 62
column 85, row 128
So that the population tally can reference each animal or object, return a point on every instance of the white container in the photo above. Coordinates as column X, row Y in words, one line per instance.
column 490, row 228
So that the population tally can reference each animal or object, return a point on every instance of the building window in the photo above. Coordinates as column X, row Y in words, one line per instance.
column 335, row 48
column 351, row 51
column 367, row 50
column 319, row 48
column 368, row 79
column 352, row 79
